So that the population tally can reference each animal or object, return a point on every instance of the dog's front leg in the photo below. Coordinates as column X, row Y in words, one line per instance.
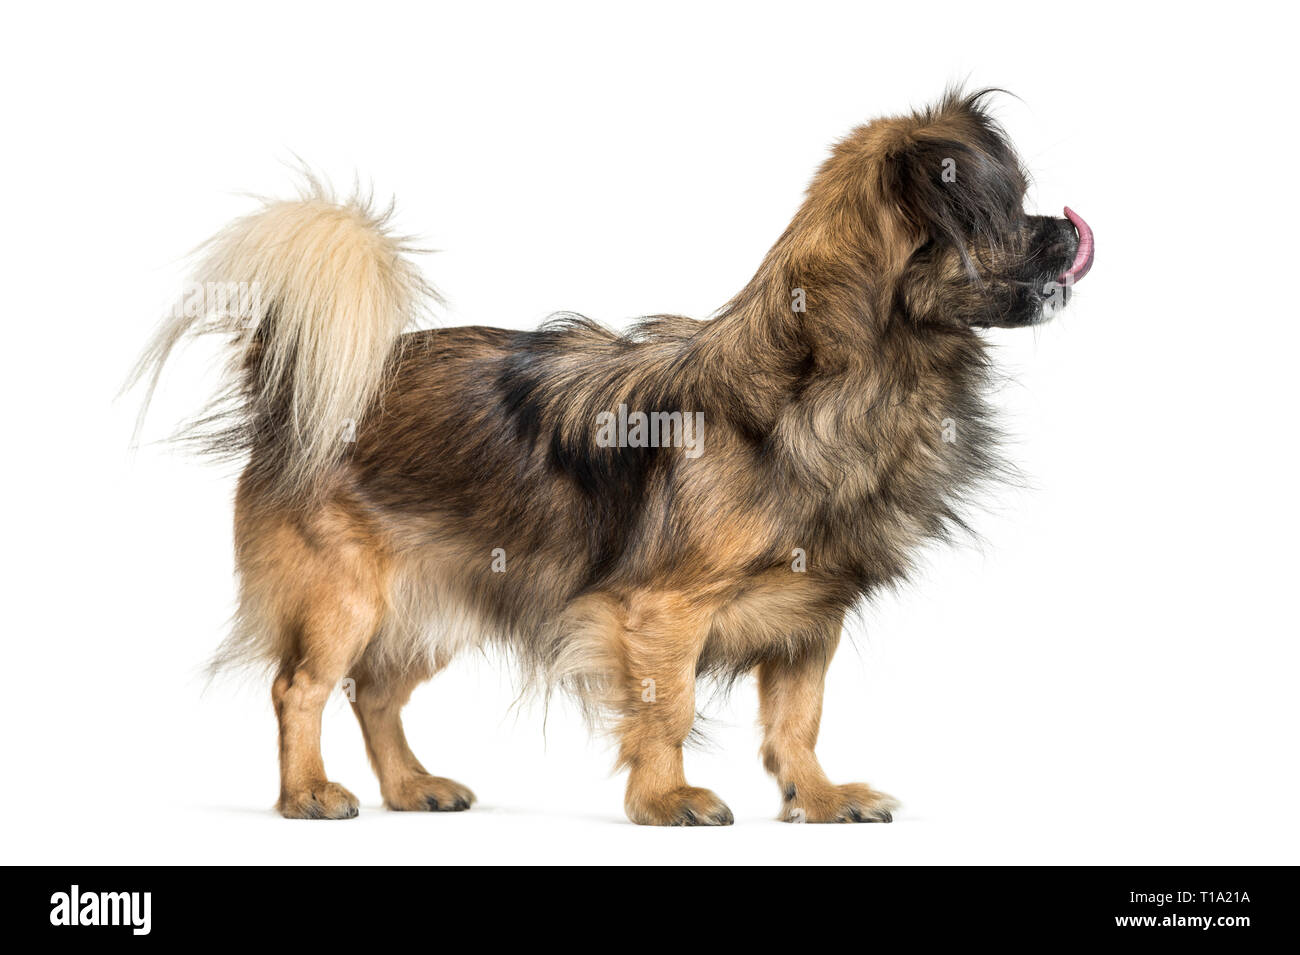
column 660, row 641
column 790, row 708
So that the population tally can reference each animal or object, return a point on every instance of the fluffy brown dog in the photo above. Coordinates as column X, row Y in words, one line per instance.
column 625, row 512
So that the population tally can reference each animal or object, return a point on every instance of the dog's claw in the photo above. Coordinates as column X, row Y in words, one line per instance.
column 424, row 793
column 684, row 806
column 851, row 803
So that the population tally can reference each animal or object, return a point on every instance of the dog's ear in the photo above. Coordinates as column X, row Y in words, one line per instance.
column 955, row 179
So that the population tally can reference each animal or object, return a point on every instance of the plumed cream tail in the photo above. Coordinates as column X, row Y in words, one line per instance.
column 312, row 295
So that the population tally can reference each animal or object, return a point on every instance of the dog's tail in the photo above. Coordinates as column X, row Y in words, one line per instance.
column 312, row 296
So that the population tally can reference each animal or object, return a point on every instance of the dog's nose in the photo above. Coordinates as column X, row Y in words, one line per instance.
column 1083, row 255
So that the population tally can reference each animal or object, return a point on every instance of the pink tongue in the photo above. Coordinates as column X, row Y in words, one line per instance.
column 1083, row 257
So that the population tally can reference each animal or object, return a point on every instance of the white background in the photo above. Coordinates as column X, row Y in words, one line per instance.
column 1108, row 678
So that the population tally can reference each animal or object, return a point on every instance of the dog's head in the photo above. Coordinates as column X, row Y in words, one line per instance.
column 943, row 192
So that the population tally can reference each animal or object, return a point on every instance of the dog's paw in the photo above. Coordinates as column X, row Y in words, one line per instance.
column 684, row 806
column 852, row 802
column 324, row 800
column 423, row 793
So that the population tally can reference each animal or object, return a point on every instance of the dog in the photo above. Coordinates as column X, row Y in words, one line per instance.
column 625, row 513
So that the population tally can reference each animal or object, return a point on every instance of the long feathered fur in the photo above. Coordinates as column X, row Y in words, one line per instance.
column 311, row 296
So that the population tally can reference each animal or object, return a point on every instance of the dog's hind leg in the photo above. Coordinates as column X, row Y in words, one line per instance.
column 406, row 785
column 313, row 584
column 790, row 708
column 332, row 636
column 332, row 639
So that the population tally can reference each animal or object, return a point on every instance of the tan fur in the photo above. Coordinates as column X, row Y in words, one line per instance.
column 790, row 709
column 474, row 507
column 404, row 783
